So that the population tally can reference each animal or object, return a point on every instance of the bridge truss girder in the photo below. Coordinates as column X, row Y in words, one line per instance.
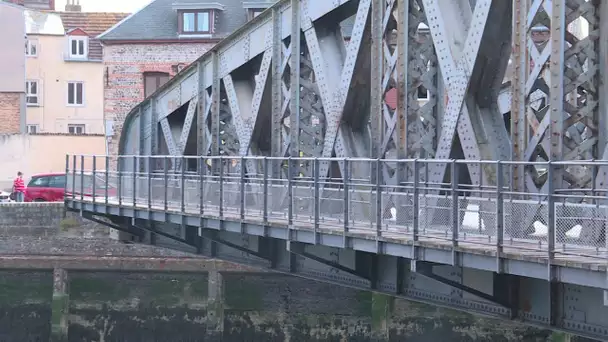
column 249, row 96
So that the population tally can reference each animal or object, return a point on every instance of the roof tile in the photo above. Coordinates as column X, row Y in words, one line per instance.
column 93, row 23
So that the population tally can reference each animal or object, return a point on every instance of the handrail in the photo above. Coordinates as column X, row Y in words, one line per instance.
column 359, row 201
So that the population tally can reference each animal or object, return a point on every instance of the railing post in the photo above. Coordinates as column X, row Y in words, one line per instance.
column 73, row 177
column 221, row 185
column 149, row 179
column 107, row 180
column 119, row 181
column 346, row 194
column 416, row 201
column 553, row 285
column 500, row 227
column 379, row 211
column 242, row 192
column 290, row 170
column 134, row 192
column 551, row 215
column 67, row 174
column 82, row 177
column 316, row 199
column 265, row 192
column 166, row 181
column 201, row 179
column 182, row 185
column 455, row 206
column 94, row 181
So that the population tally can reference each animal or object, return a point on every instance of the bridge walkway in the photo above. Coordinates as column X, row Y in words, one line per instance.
column 436, row 216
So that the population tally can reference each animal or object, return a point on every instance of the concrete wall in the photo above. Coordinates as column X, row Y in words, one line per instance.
column 126, row 64
column 19, row 218
column 41, row 229
column 12, row 68
column 33, row 154
column 175, row 307
column 49, row 68
column 12, row 40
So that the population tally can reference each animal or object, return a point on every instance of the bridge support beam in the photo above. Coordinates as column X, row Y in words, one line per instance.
column 215, row 306
column 59, row 306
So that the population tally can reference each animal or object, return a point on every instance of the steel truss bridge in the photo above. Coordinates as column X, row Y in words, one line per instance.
column 441, row 151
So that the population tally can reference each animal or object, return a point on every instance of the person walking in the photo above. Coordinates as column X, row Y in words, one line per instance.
column 19, row 187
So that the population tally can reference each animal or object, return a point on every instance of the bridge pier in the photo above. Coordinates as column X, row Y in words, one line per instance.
column 60, row 306
column 381, row 312
column 215, row 306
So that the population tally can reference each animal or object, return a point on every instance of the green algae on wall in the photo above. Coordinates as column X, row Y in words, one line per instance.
column 144, row 289
column 25, row 287
column 381, row 312
column 173, row 307
column 245, row 295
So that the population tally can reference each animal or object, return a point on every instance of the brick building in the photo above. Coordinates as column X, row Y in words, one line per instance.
column 12, row 69
column 152, row 45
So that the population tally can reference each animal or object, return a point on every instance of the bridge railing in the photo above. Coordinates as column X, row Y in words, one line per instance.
column 360, row 196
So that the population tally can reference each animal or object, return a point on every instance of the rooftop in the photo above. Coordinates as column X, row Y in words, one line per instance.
column 159, row 20
column 93, row 23
column 60, row 23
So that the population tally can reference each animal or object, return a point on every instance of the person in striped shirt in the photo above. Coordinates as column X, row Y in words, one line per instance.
column 19, row 187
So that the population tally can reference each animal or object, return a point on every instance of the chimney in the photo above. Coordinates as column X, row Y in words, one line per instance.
column 73, row 6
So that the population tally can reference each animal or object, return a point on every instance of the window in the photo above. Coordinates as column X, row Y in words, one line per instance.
column 32, row 92
column 76, row 129
column 31, row 48
column 423, row 94
column 195, row 22
column 75, row 93
column 78, row 47
column 254, row 12
column 38, row 182
column 57, row 182
column 32, row 129
column 153, row 80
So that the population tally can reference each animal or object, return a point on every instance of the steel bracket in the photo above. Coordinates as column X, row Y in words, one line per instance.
column 127, row 229
column 298, row 249
column 426, row 269
column 214, row 239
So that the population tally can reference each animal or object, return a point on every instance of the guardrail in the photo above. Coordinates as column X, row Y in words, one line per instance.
column 359, row 195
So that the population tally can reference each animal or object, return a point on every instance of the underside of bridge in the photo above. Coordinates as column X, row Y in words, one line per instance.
column 511, row 80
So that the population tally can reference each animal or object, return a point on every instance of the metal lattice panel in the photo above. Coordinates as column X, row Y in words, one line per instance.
column 410, row 79
column 409, row 121
column 543, row 87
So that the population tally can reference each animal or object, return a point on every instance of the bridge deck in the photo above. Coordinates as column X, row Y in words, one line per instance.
column 485, row 228
column 520, row 249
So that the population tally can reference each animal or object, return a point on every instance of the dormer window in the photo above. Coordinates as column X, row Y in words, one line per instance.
column 196, row 21
column 254, row 12
column 78, row 47
column 78, row 44
column 255, row 8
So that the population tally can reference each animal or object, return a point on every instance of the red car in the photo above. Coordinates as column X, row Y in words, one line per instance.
column 50, row 187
